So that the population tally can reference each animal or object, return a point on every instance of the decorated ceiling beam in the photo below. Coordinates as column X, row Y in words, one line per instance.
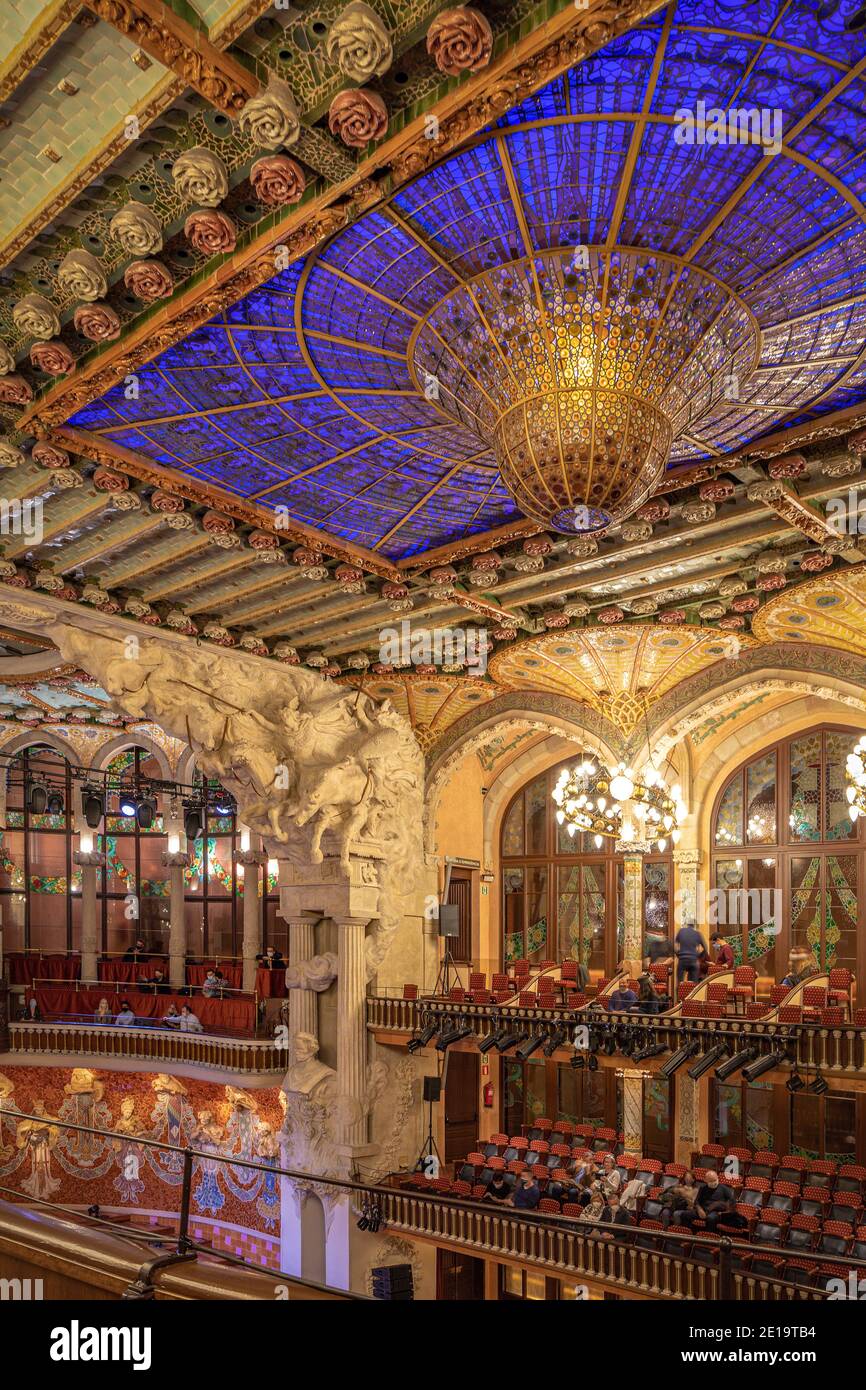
column 48, row 24
column 185, row 50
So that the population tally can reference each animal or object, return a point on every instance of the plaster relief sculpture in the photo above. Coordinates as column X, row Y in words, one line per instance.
column 317, row 973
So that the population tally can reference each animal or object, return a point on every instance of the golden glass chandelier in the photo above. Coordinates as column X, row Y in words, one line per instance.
column 580, row 367
column 619, row 805
column 855, row 771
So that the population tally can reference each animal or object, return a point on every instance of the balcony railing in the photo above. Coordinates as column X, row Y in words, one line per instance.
column 606, row 1256
column 157, row 1045
column 810, row 1046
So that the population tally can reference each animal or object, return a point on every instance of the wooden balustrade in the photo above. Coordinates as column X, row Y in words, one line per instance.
column 576, row 1253
column 155, row 1045
column 837, row 1051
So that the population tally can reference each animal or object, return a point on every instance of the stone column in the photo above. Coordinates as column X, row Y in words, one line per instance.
column 352, row 1029
column 687, row 864
column 632, row 1111
column 252, row 860
column 176, row 861
column 633, row 946
column 303, row 1013
column 89, row 862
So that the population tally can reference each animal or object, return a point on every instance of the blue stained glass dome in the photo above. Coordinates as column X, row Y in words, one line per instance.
column 365, row 389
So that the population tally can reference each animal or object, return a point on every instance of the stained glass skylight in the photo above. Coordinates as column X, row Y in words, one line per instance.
column 312, row 393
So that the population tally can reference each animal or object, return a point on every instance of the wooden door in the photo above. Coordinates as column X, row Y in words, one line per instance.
column 461, row 1105
column 460, row 893
column 459, row 1277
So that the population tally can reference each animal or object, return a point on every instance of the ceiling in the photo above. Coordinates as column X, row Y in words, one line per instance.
column 253, row 459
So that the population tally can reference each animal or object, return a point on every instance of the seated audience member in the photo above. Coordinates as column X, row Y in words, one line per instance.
column 648, row 1002
column 157, row 982
column 271, row 960
column 171, row 1016
column 623, row 999
column 595, row 1206
column 137, row 952
column 614, row 1211
column 126, row 1017
column 497, row 1189
column 211, row 987
column 609, row 1176
column 678, row 1199
column 723, row 949
column 527, row 1193
column 800, row 967
column 726, row 1214
column 188, row 1021
column 712, row 1200
column 103, row 1012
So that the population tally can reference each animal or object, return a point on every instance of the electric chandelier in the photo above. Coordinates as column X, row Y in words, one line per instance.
column 619, row 805
column 855, row 768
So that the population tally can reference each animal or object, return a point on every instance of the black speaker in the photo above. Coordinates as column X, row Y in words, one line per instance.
column 449, row 919
column 392, row 1282
column 432, row 1088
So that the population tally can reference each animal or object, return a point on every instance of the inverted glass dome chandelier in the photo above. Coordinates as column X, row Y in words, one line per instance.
column 580, row 366
column 619, row 805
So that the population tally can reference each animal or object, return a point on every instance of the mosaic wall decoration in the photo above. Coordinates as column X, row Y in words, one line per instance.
column 44, row 1160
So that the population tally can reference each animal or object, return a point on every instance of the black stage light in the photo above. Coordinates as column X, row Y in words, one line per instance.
column 510, row 1040
column 651, row 1050
column 223, row 806
column 819, row 1086
column 487, row 1044
column 128, row 805
column 93, row 806
column 192, row 826
column 608, row 1047
column 704, row 1063
column 592, row 1062
column 557, row 1037
column 794, row 1083
column 55, row 803
column 532, row 1044
column 426, row 1036
column 762, row 1064
column 734, row 1063
column 38, row 798
column 578, row 1061
column 457, row 1033
column 679, row 1058
column 145, row 812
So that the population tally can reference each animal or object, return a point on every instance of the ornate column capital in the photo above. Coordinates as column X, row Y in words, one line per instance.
column 88, row 858
column 175, row 859
column 250, row 857
column 687, row 858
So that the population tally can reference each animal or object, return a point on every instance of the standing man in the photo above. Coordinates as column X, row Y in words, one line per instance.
column 724, row 950
column 691, row 947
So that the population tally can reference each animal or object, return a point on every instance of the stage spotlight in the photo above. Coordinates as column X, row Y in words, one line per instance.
column 456, row 1033
column 145, row 812
column 55, row 803
column 128, row 805
column 487, row 1044
column 762, row 1064
column 679, row 1058
column 608, row 1047
column 592, row 1062
column 734, row 1063
column 708, row 1060
column 578, row 1061
column 652, row 1050
column 555, row 1040
column 426, row 1036
column 192, row 826
column 819, row 1086
column 93, row 806
column 223, row 806
column 794, row 1083
column 38, row 798
column 532, row 1044
column 509, row 1040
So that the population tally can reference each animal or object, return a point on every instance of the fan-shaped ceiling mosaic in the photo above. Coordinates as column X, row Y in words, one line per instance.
column 619, row 672
column 610, row 278
column 823, row 612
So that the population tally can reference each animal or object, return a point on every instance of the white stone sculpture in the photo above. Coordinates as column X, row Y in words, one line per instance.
column 138, row 230
column 317, row 973
column 81, row 275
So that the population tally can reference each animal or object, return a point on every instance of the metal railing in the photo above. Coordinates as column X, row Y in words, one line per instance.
column 140, row 1043
column 839, row 1050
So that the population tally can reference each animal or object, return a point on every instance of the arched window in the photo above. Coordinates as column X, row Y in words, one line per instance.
column 133, row 891
column 787, row 861
column 39, row 885
column 562, row 897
